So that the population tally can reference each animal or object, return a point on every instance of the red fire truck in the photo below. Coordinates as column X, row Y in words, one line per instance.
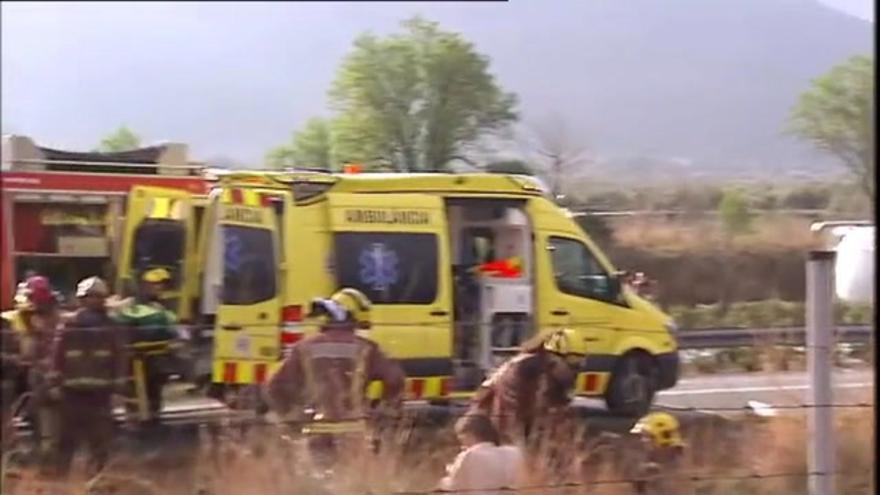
column 61, row 212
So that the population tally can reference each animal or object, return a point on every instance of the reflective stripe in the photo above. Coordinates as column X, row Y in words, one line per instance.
column 357, row 381
column 335, row 427
column 250, row 197
column 101, row 354
column 73, row 354
column 152, row 348
column 86, row 382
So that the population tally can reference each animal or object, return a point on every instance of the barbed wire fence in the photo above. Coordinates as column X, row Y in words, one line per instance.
column 234, row 419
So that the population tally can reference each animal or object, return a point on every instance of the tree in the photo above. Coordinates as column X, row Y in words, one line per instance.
column 510, row 167
column 312, row 147
column 553, row 145
column 837, row 115
column 414, row 101
column 122, row 139
column 734, row 211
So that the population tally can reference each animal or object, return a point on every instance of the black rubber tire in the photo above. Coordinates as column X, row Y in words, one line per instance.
column 633, row 385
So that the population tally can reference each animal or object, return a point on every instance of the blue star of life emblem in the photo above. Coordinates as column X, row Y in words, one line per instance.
column 232, row 252
column 378, row 267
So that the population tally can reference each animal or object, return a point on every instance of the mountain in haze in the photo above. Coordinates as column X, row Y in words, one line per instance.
column 704, row 85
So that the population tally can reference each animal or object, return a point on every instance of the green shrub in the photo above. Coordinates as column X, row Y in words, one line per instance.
column 734, row 212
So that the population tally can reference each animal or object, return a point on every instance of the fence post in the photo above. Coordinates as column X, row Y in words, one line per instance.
column 820, row 353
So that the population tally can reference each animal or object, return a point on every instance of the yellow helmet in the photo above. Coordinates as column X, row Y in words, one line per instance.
column 560, row 343
column 22, row 302
column 156, row 275
column 355, row 303
column 662, row 428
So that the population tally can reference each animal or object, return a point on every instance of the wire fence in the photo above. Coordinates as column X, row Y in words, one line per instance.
column 693, row 478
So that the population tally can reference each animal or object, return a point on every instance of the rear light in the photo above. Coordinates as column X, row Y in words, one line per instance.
column 290, row 337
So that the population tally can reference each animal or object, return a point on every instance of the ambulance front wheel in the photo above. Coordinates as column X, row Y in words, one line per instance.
column 633, row 384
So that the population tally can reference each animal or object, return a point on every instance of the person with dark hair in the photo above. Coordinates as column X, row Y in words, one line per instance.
column 530, row 386
column 483, row 466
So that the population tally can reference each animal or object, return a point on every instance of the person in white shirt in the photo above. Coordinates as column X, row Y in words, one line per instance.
column 483, row 467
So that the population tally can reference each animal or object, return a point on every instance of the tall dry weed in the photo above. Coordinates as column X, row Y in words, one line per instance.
column 413, row 459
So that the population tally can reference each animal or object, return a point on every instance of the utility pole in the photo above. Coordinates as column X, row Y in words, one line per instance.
column 820, row 355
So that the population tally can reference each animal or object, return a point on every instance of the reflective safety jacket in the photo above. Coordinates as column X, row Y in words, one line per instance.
column 9, row 349
column 89, row 354
column 329, row 374
column 148, row 321
column 34, row 334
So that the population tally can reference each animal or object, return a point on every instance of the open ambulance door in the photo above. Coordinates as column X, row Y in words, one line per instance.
column 159, row 232
column 247, row 254
column 394, row 248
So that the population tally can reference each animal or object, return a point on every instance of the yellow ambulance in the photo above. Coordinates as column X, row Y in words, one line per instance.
column 266, row 243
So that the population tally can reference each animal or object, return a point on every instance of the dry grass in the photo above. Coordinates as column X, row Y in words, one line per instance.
column 266, row 464
column 767, row 233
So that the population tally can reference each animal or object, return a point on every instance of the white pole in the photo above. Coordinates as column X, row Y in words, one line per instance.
column 820, row 349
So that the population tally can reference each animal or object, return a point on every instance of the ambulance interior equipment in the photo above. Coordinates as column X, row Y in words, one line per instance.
column 492, row 311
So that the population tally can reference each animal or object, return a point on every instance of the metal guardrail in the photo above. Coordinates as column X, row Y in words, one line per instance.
column 719, row 338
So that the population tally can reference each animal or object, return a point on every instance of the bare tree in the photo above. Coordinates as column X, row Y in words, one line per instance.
column 558, row 152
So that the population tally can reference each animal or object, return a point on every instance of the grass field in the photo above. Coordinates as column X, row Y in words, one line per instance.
column 745, row 456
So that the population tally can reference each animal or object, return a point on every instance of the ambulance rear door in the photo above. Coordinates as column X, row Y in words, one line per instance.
column 159, row 232
column 246, row 334
column 394, row 248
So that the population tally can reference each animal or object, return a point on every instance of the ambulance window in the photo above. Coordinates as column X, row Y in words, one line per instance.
column 577, row 272
column 389, row 268
column 159, row 243
column 248, row 265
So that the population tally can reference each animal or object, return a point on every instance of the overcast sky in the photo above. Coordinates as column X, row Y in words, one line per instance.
column 230, row 79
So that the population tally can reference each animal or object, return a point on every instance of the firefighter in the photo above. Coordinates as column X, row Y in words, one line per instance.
column 323, row 381
column 662, row 450
column 33, row 323
column 535, row 384
column 152, row 338
column 89, row 366
column 9, row 367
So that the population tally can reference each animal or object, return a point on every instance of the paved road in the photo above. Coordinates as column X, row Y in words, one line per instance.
column 724, row 391
column 735, row 390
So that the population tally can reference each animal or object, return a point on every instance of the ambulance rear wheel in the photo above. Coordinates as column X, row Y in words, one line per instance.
column 633, row 384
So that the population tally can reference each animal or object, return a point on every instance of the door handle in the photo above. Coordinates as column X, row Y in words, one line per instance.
column 231, row 327
column 439, row 312
column 559, row 312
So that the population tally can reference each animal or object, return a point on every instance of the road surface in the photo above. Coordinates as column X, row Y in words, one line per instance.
column 735, row 390
column 706, row 392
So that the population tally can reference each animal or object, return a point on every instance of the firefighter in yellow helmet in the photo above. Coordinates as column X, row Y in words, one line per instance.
column 534, row 385
column 324, row 379
column 152, row 336
column 662, row 449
